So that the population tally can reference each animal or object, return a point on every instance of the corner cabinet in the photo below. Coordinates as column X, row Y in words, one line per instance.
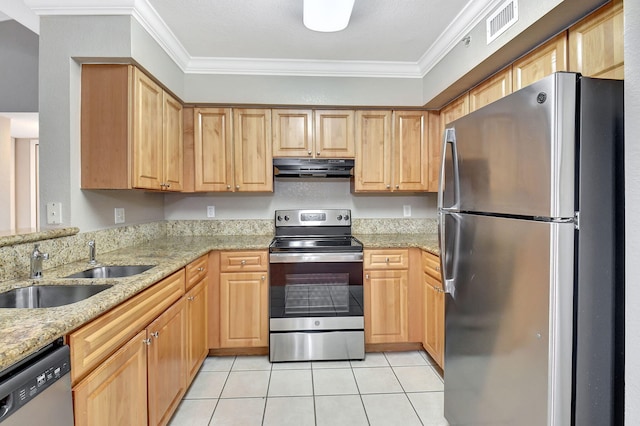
column 131, row 131
column 395, row 151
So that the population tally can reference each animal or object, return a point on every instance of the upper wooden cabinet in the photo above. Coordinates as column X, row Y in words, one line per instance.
column 492, row 89
column 392, row 151
column 313, row 134
column 292, row 132
column 596, row 44
column 131, row 131
column 455, row 109
column 542, row 61
column 213, row 153
column 333, row 133
column 252, row 157
column 232, row 150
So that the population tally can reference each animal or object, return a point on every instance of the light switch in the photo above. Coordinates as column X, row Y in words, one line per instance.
column 119, row 214
column 211, row 211
column 54, row 213
column 406, row 211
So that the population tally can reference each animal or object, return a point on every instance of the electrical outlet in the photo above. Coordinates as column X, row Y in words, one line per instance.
column 211, row 211
column 119, row 214
column 406, row 210
column 54, row 213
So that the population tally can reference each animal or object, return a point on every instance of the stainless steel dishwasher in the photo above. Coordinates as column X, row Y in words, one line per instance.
column 37, row 390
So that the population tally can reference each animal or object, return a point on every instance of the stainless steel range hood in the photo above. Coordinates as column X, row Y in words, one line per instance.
column 312, row 167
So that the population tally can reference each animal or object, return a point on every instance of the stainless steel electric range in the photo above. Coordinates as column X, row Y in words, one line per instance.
column 315, row 287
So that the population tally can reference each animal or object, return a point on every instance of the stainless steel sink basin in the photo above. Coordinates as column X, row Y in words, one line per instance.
column 116, row 271
column 48, row 296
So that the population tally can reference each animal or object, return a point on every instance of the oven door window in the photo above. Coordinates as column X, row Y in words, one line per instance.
column 316, row 289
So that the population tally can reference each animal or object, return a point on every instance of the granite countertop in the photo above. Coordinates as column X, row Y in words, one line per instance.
column 424, row 241
column 24, row 331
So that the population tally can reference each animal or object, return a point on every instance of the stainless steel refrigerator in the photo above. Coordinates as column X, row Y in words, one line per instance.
column 531, row 215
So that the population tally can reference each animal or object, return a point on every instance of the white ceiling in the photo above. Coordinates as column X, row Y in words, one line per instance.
column 391, row 38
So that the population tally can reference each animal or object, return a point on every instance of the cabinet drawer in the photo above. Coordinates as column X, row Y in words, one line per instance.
column 244, row 261
column 431, row 264
column 386, row 259
column 432, row 281
column 196, row 271
column 95, row 341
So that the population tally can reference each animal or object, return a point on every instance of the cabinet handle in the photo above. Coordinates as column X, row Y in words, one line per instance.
column 318, row 154
column 243, row 262
column 237, row 186
column 309, row 152
column 387, row 260
column 191, row 298
column 388, row 186
column 155, row 334
column 200, row 269
column 437, row 269
column 228, row 186
column 147, row 341
column 262, row 278
column 397, row 186
column 366, row 277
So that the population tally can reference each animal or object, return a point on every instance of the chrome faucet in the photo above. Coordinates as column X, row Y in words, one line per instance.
column 36, row 261
column 92, row 252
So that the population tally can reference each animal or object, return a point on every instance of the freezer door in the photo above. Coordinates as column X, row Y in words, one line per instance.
column 515, row 156
column 508, row 320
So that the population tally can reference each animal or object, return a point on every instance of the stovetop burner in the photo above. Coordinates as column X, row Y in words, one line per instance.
column 311, row 244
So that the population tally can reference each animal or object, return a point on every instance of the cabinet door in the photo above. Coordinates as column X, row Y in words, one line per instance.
column 596, row 44
column 455, row 109
column 373, row 151
column 292, row 132
column 115, row 393
column 166, row 363
column 253, row 161
column 435, row 150
column 172, row 143
column 147, row 132
column 542, row 61
column 490, row 90
column 410, row 151
column 385, row 317
column 196, row 305
column 334, row 133
column 386, row 259
column 244, row 312
column 434, row 318
column 212, row 149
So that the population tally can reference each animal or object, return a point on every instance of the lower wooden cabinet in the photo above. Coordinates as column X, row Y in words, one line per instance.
column 385, row 302
column 433, row 306
column 197, row 322
column 244, row 314
column 166, row 371
column 115, row 393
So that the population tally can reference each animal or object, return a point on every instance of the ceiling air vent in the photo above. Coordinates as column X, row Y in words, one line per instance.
column 500, row 20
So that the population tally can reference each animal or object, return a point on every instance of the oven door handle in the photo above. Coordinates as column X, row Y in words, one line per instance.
column 315, row 257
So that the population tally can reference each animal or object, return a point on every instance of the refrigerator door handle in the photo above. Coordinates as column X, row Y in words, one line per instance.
column 449, row 247
column 454, row 175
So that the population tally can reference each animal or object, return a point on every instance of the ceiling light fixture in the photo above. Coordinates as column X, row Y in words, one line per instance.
column 327, row 15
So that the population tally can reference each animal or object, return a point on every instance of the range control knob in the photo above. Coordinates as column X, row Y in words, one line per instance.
column 286, row 217
column 346, row 217
column 339, row 217
column 279, row 218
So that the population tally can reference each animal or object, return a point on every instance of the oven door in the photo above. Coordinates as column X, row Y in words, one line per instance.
column 316, row 307
column 314, row 285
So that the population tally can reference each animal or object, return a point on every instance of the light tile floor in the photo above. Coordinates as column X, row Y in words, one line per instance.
column 391, row 388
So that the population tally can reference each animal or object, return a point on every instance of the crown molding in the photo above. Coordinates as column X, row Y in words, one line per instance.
column 473, row 13
column 149, row 19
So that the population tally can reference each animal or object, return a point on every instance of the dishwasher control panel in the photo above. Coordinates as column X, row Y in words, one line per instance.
column 21, row 385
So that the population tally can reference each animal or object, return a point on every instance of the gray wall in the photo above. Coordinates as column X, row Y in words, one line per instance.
column 632, row 194
column 62, row 39
column 18, row 68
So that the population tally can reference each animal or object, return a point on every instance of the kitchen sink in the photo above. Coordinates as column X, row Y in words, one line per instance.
column 48, row 296
column 115, row 271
